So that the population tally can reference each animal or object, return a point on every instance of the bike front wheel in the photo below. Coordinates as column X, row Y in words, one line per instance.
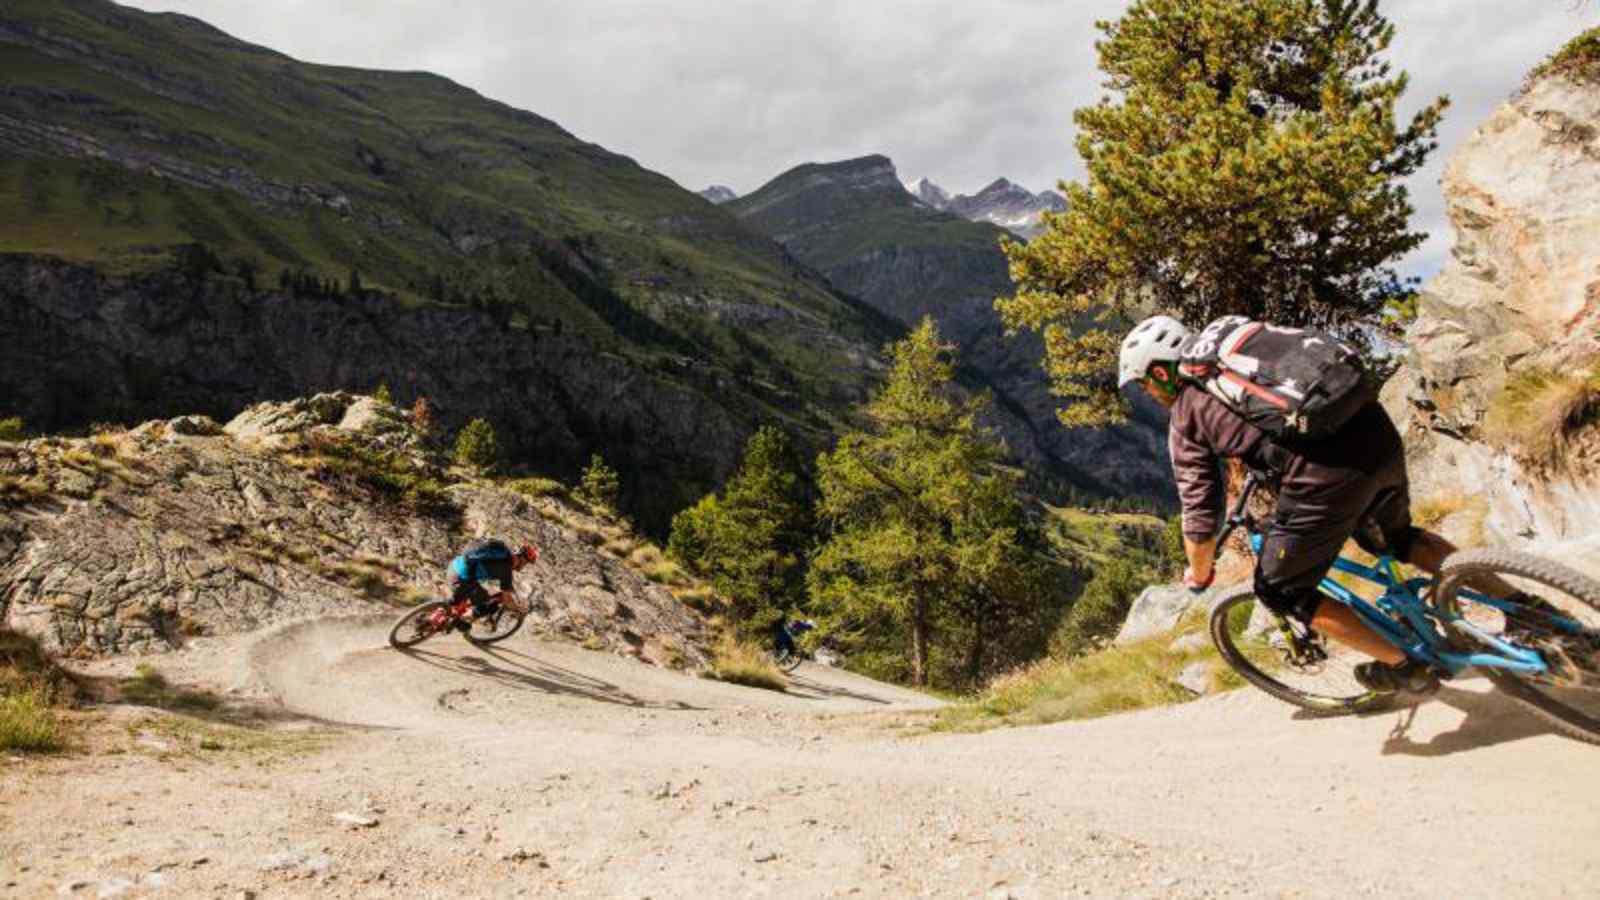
column 495, row 627
column 1321, row 681
column 1565, row 632
column 786, row 660
column 420, row 623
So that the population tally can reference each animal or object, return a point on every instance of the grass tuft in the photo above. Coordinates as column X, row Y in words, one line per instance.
column 29, row 724
column 31, row 684
column 1578, row 60
column 740, row 663
column 1539, row 412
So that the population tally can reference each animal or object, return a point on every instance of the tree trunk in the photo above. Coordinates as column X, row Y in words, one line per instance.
column 979, row 637
column 919, row 640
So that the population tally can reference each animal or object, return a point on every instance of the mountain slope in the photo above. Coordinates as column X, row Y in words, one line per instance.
column 855, row 222
column 125, row 136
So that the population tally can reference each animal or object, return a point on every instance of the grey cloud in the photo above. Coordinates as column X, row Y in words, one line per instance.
column 735, row 91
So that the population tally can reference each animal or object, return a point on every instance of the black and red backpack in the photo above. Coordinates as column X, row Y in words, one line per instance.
column 1292, row 383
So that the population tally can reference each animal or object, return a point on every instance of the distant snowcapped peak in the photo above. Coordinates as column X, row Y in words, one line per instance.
column 929, row 193
column 719, row 194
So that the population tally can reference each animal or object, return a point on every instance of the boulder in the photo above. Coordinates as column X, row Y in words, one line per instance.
column 1158, row 609
column 194, row 426
column 270, row 418
column 1195, row 677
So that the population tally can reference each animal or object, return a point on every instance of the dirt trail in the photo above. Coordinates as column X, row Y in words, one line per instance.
column 538, row 769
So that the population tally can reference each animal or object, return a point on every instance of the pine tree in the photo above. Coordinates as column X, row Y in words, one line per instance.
column 753, row 539
column 1248, row 163
column 382, row 395
column 926, row 536
column 477, row 447
column 600, row 485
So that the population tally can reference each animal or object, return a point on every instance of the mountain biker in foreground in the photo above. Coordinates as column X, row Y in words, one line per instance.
column 486, row 560
column 1351, row 472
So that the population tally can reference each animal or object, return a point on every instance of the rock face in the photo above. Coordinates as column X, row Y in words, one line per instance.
column 1521, row 294
column 855, row 222
column 136, row 541
column 719, row 194
column 80, row 348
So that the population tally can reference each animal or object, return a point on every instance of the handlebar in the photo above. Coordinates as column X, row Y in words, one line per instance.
column 1237, row 516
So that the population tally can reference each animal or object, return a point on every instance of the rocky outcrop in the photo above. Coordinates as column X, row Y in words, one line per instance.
column 1520, row 295
column 78, row 348
column 719, row 194
column 138, row 540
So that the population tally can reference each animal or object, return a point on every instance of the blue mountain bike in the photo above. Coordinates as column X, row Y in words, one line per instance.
column 1546, row 656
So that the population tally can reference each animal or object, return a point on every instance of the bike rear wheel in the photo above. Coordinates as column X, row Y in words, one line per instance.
column 1323, row 687
column 786, row 660
column 419, row 624
column 1568, row 696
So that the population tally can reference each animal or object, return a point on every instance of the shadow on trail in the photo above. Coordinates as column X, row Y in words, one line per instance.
column 1490, row 719
column 522, row 672
column 807, row 689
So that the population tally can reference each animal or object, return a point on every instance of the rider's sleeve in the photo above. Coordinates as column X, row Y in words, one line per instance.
column 1202, row 433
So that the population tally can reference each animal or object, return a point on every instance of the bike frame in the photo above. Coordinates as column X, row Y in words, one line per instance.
column 1401, row 616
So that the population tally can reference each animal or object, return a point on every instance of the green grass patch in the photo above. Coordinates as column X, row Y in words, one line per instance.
column 31, row 686
column 29, row 724
column 148, row 687
column 1112, row 680
column 537, row 487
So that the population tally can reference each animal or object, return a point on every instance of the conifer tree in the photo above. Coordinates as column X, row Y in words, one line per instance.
column 477, row 447
column 927, row 537
column 600, row 485
column 753, row 539
column 1248, row 161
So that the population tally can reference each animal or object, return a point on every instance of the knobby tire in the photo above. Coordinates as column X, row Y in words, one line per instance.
column 406, row 633
column 1316, row 704
column 1552, row 703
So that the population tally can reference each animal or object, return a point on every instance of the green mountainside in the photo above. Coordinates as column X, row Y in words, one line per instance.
column 126, row 137
column 855, row 222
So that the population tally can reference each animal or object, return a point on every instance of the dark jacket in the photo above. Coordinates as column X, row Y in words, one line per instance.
column 1204, row 431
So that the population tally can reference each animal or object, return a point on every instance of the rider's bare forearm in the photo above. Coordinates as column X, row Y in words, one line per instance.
column 1201, row 554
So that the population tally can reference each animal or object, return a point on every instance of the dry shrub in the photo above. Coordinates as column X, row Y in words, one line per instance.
column 1539, row 412
column 737, row 662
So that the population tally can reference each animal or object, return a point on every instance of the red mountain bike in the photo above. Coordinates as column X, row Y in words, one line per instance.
column 440, row 616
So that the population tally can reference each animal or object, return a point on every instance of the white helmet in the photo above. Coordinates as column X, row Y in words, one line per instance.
column 1154, row 340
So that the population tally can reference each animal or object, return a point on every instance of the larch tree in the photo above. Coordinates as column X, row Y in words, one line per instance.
column 924, row 533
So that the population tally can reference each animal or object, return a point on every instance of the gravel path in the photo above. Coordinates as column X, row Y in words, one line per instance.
column 539, row 769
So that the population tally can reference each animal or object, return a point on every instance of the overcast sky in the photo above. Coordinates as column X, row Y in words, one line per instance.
column 735, row 91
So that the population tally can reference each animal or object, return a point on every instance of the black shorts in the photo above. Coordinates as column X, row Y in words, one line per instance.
column 470, row 590
column 1304, row 538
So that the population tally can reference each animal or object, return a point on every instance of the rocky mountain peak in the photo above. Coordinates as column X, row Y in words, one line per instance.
column 719, row 194
column 929, row 193
column 1011, row 206
column 816, row 191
